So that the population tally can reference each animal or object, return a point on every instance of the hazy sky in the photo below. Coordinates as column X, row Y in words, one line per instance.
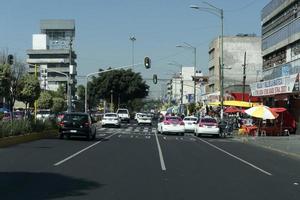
column 103, row 29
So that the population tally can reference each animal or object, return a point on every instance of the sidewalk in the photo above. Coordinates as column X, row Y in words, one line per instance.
column 289, row 145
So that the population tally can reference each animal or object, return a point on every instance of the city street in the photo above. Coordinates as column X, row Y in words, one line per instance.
column 134, row 163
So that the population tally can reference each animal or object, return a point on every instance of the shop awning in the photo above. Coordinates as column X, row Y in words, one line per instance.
column 244, row 104
column 238, row 96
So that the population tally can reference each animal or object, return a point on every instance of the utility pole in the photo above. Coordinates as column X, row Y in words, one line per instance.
column 244, row 76
column 111, row 100
column 69, row 82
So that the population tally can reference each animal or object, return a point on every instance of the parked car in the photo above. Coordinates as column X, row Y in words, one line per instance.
column 6, row 116
column 170, row 124
column 77, row 124
column 111, row 119
column 207, row 126
column 123, row 114
column 43, row 114
column 190, row 123
column 144, row 118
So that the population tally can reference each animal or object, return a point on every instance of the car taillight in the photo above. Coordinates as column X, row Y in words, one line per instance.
column 166, row 123
column 61, row 124
column 86, row 124
column 216, row 125
column 201, row 125
column 181, row 123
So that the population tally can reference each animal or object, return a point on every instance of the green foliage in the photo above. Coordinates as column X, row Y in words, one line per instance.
column 21, row 127
column 4, row 80
column 125, row 85
column 45, row 100
column 81, row 92
column 29, row 89
column 58, row 105
column 192, row 108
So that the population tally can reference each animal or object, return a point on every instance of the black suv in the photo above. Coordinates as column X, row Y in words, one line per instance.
column 77, row 124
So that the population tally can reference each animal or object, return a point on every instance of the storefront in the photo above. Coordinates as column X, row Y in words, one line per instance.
column 280, row 92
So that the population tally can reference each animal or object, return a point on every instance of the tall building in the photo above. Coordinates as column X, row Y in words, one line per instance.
column 184, row 81
column 52, row 52
column 234, row 48
column 280, row 21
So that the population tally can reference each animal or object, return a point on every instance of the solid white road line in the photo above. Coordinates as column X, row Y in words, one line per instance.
column 79, row 152
column 161, row 158
column 240, row 159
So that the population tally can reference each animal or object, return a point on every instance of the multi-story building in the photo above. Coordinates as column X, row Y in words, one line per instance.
column 280, row 21
column 183, row 81
column 52, row 52
column 234, row 48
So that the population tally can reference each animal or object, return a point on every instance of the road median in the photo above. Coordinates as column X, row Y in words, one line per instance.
column 14, row 140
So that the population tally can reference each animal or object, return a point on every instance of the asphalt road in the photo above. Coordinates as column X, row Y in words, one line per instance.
column 134, row 163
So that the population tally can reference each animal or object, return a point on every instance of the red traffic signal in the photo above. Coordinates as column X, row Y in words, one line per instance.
column 147, row 62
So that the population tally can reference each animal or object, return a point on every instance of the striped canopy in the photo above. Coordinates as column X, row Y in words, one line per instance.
column 262, row 112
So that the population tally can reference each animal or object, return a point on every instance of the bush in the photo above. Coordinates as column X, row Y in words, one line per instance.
column 20, row 127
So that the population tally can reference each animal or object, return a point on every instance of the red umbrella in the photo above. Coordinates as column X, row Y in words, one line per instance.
column 232, row 109
column 278, row 110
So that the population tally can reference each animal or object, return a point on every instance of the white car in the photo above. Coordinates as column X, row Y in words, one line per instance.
column 111, row 119
column 123, row 114
column 170, row 124
column 144, row 119
column 137, row 115
column 207, row 126
column 190, row 123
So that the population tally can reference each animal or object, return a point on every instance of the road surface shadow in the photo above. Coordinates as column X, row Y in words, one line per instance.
column 42, row 186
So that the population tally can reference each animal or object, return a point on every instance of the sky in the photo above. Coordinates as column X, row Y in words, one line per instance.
column 103, row 29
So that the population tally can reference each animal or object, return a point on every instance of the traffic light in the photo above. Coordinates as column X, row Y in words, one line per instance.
column 154, row 78
column 147, row 62
column 10, row 59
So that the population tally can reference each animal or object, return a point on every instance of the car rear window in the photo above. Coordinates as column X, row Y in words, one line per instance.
column 172, row 118
column 208, row 120
column 110, row 115
column 78, row 118
column 190, row 119
column 123, row 111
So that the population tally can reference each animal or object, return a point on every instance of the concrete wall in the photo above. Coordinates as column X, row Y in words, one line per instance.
column 234, row 49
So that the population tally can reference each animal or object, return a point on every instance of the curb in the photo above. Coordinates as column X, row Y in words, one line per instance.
column 246, row 141
column 14, row 140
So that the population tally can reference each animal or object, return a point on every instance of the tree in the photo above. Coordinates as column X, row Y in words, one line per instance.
column 10, row 79
column 122, row 85
column 45, row 101
column 81, row 92
column 58, row 105
column 29, row 89
column 4, row 80
column 192, row 108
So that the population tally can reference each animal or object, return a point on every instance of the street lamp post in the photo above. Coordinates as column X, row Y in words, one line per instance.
column 133, row 39
column 218, row 12
column 187, row 45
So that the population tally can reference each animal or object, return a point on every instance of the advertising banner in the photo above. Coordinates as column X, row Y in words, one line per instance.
column 280, row 85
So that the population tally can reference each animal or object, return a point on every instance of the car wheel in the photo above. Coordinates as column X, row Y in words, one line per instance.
column 88, row 136
column 182, row 134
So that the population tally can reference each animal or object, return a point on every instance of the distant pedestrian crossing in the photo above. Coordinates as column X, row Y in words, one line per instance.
column 131, row 129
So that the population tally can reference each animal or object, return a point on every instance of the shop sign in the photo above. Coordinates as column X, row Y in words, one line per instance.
column 275, row 86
